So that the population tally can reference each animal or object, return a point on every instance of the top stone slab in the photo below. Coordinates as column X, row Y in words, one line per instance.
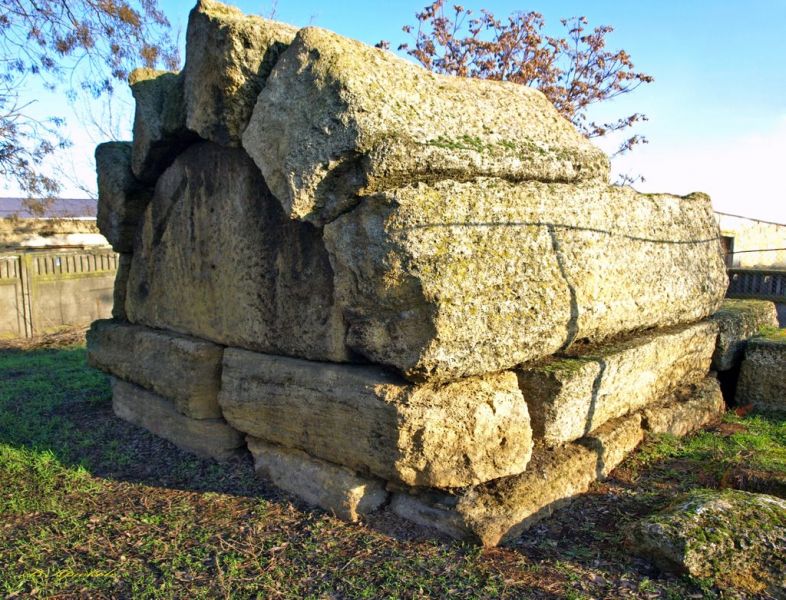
column 337, row 118
column 229, row 56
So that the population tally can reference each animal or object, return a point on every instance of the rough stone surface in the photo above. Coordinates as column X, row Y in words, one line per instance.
column 457, row 279
column 218, row 259
column 121, row 197
column 445, row 436
column 160, row 132
column 686, row 410
column 500, row 510
column 211, row 438
column 763, row 374
column 738, row 321
column 733, row 537
column 229, row 56
column 569, row 397
column 187, row 370
column 121, row 285
column 338, row 118
column 336, row 489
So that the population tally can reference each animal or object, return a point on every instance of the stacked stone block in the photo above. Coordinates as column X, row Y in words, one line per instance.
column 763, row 374
column 393, row 286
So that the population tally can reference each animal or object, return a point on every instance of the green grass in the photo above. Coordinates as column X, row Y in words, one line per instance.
column 93, row 507
column 774, row 334
column 755, row 441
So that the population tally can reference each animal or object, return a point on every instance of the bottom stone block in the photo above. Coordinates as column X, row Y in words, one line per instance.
column 763, row 374
column 211, row 438
column 332, row 487
column 497, row 511
column 494, row 512
column 687, row 410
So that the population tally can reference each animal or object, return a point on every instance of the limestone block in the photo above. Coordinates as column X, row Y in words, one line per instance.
column 569, row 397
column 687, row 410
column 122, row 198
column 455, row 279
column 500, row 510
column 337, row 118
column 336, row 489
column 187, row 370
column 228, row 58
column 732, row 537
column 160, row 132
column 218, row 259
column 762, row 379
column 121, row 285
column 211, row 438
column 738, row 321
column 361, row 417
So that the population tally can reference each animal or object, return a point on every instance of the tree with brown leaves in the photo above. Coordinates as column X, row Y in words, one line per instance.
column 574, row 72
column 74, row 47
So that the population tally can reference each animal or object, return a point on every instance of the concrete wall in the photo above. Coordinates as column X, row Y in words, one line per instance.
column 767, row 240
column 43, row 291
column 49, row 233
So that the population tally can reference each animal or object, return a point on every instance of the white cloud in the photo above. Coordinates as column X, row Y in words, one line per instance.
column 742, row 174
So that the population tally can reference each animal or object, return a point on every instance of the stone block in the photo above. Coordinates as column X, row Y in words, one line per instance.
column 455, row 279
column 160, row 132
column 122, row 198
column 336, row 489
column 338, row 119
column 219, row 260
column 571, row 396
column 364, row 418
column 229, row 56
column 738, row 321
column 186, row 370
column 762, row 379
column 500, row 510
column 734, row 538
column 686, row 410
column 121, row 285
column 210, row 438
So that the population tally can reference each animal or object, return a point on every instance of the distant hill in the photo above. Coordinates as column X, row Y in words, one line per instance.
column 74, row 208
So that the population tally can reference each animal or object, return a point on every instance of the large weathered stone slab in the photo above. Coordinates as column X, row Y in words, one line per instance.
column 337, row 118
column 454, row 279
column 762, row 379
column 336, row 489
column 738, row 321
column 569, row 397
column 500, row 510
column 686, row 410
column 228, row 58
column 121, row 285
column 187, row 370
column 361, row 417
column 218, row 259
column 211, row 438
column 735, row 538
column 160, row 132
column 121, row 197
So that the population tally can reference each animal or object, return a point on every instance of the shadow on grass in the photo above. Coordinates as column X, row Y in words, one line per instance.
column 50, row 401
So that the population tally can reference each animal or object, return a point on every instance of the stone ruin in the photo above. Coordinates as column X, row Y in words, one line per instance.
column 394, row 288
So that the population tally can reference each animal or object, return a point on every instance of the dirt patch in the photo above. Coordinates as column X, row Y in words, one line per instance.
column 60, row 339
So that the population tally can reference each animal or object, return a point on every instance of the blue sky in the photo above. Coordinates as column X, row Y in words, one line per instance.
column 717, row 108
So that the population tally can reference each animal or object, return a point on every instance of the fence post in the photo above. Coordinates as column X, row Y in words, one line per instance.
column 27, row 303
